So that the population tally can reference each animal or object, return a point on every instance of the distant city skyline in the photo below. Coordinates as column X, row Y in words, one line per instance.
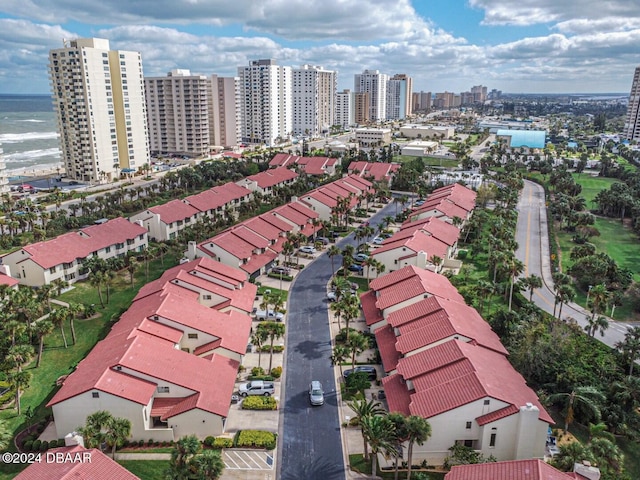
column 532, row 46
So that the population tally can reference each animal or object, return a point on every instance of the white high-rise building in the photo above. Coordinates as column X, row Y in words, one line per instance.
column 265, row 102
column 224, row 111
column 632, row 123
column 99, row 102
column 314, row 100
column 345, row 111
column 178, row 113
column 4, row 179
column 375, row 84
column 399, row 96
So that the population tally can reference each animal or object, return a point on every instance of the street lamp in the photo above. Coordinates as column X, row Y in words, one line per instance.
column 588, row 292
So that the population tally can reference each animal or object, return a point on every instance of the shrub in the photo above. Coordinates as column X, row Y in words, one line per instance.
column 140, row 443
column 44, row 446
column 276, row 372
column 209, row 441
column 256, row 371
column 36, row 445
column 255, row 438
column 256, row 402
column 150, row 442
column 462, row 254
column 40, row 428
column 276, row 348
column 267, row 378
column 27, row 445
column 287, row 278
column 354, row 422
column 223, row 442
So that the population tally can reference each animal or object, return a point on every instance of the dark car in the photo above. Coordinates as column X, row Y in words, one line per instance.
column 282, row 270
column 323, row 240
column 370, row 371
column 354, row 267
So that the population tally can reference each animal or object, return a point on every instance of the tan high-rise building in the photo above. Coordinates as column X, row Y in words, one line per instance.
column 224, row 113
column 421, row 101
column 314, row 100
column 99, row 101
column 375, row 84
column 632, row 123
column 399, row 95
column 479, row 93
column 361, row 108
column 178, row 113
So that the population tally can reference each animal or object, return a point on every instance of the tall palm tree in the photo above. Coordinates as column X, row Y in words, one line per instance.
column 339, row 354
column 587, row 397
column 182, row 454
column 363, row 408
column 259, row 336
column 516, row 267
column 598, row 296
column 207, row 465
column 42, row 328
column 380, row 434
column 351, row 311
column 418, row 431
column 630, row 347
column 357, row 343
column 58, row 317
column 275, row 330
column 532, row 282
column 564, row 295
column 596, row 324
column 116, row 432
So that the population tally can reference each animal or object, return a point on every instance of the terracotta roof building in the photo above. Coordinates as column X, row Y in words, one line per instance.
column 511, row 470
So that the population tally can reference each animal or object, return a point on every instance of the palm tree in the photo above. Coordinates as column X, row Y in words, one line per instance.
column 19, row 381
column 630, row 347
column 380, row 434
column 363, row 409
column 571, row 453
column 564, row 294
column 183, row 452
column 207, row 465
column 162, row 248
column 596, row 324
column 96, row 279
column 132, row 266
column 351, row 311
column 532, row 282
column 259, row 336
column 586, row 397
column 274, row 330
column 5, row 435
column 516, row 267
column 58, row 317
column 116, row 432
column 338, row 356
column 418, row 431
column 357, row 343
column 42, row 328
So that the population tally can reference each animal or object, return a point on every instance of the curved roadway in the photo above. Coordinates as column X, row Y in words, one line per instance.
column 310, row 443
column 533, row 250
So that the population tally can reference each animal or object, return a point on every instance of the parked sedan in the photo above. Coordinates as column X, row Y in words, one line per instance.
column 360, row 257
column 377, row 241
column 282, row 270
column 354, row 267
column 371, row 372
column 308, row 249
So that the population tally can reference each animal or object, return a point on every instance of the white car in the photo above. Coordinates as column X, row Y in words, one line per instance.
column 377, row 241
column 308, row 249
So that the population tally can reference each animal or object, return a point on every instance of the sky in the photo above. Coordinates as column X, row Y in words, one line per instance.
column 517, row 46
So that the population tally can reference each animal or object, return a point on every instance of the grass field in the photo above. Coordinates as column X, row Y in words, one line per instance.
column 591, row 186
column 58, row 361
column 146, row 469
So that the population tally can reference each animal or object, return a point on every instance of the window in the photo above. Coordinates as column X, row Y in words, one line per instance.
column 107, row 250
column 492, row 440
column 95, row 394
column 193, row 336
column 486, row 402
column 162, row 389
column 52, row 270
column 468, row 425
column 206, row 297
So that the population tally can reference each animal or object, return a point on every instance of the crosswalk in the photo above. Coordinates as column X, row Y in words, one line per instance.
column 247, row 459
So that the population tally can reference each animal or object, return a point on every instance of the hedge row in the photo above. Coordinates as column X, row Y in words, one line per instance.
column 256, row 402
column 218, row 442
column 255, row 438
column 30, row 445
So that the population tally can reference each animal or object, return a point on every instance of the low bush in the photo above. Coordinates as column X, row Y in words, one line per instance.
column 276, row 348
column 288, row 278
column 223, row 442
column 44, row 446
column 36, row 445
column 256, row 402
column 462, row 254
column 276, row 372
column 255, row 438
column 28, row 445
column 267, row 378
column 257, row 371
column 141, row 443
column 209, row 441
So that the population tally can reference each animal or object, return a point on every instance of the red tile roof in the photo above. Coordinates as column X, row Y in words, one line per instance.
column 173, row 211
column 262, row 227
column 76, row 463
column 443, row 231
column 7, row 280
column 379, row 171
column 444, row 206
column 372, row 314
column 398, row 397
column 459, row 194
column 412, row 282
column 534, row 469
column 416, row 242
column 282, row 160
column 273, row 177
column 386, row 341
column 73, row 245
column 455, row 373
column 217, row 197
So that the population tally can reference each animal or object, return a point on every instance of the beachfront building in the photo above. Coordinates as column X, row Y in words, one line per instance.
column 375, row 84
column 632, row 123
column 178, row 113
column 224, row 111
column 265, row 102
column 314, row 100
column 399, row 95
column 4, row 179
column 421, row 101
column 41, row 263
column 99, row 102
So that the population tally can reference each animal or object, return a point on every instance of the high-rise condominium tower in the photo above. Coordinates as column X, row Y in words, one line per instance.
column 375, row 84
column 99, row 101
column 224, row 116
column 314, row 100
column 178, row 113
column 265, row 102
column 345, row 108
column 399, row 96
column 632, row 124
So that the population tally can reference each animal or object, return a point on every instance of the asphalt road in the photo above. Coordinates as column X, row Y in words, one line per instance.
column 533, row 251
column 310, row 443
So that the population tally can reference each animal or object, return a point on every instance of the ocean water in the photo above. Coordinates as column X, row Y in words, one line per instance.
column 28, row 133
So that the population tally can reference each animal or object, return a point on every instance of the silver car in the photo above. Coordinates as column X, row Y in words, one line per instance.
column 316, row 395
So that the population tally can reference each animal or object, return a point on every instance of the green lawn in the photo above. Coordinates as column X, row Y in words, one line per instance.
column 58, row 361
column 146, row 469
column 591, row 186
column 358, row 464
